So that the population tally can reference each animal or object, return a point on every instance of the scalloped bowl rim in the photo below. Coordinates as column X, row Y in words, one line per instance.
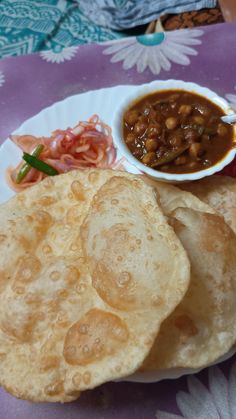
column 145, row 89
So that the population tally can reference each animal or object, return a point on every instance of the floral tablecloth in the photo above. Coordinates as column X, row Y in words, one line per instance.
column 30, row 83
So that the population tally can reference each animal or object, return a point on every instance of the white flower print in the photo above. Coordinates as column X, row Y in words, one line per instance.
column 155, row 51
column 58, row 54
column 219, row 402
column 232, row 99
column 2, row 79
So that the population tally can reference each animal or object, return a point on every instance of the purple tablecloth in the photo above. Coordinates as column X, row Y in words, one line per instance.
column 30, row 83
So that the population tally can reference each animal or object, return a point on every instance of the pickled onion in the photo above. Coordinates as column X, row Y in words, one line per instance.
column 88, row 144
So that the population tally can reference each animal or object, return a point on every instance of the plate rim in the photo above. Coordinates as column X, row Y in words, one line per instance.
column 138, row 377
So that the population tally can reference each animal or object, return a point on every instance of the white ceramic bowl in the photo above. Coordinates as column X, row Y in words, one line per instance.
column 159, row 85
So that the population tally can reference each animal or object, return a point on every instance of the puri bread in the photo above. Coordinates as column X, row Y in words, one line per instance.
column 171, row 197
column 90, row 268
column 220, row 193
column 203, row 326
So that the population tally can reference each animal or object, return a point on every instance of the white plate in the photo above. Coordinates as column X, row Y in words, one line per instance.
column 64, row 114
column 67, row 113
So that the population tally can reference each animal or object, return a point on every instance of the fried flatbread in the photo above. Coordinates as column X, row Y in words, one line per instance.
column 90, row 268
column 203, row 326
column 219, row 192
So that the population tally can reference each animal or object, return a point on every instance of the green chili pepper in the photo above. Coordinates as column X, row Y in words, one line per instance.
column 210, row 130
column 169, row 156
column 201, row 129
column 25, row 168
column 39, row 165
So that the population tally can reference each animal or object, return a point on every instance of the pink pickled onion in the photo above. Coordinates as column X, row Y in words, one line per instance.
column 88, row 144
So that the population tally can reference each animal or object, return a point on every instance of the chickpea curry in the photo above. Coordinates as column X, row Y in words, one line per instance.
column 176, row 131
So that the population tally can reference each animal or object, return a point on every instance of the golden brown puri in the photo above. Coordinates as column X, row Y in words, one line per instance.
column 171, row 197
column 220, row 193
column 77, row 307
column 203, row 326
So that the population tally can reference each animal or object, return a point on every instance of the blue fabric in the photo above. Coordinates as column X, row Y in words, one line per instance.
column 124, row 14
column 35, row 25
column 38, row 25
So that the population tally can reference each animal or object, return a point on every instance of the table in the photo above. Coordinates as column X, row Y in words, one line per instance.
column 205, row 55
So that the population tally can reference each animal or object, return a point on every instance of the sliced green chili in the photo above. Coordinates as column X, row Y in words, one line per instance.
column 169, row 156
column 201, row 129
column 25, row 168
column 40, row 165
column 210, row 130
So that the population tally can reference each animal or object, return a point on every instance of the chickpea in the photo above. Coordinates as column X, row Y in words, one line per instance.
column 180, row 160
column 198, row 120
column 154, row 116
column 149, row 158
column 196, row 150
column 161, row 151
column 185, row 110
column 151, row 144
column 173, row 105
column 203, row 110
column 176, row 140
column 131, row 117
column 146, row 109
column 154, row 130
column 173, row 97
column 191, row 135
column 143, row 118
column 207, row 162
column 130, row 138
column 192, row 165
column 140, row 128
column 171, row 122
column 222, row 130
column 138, row 153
